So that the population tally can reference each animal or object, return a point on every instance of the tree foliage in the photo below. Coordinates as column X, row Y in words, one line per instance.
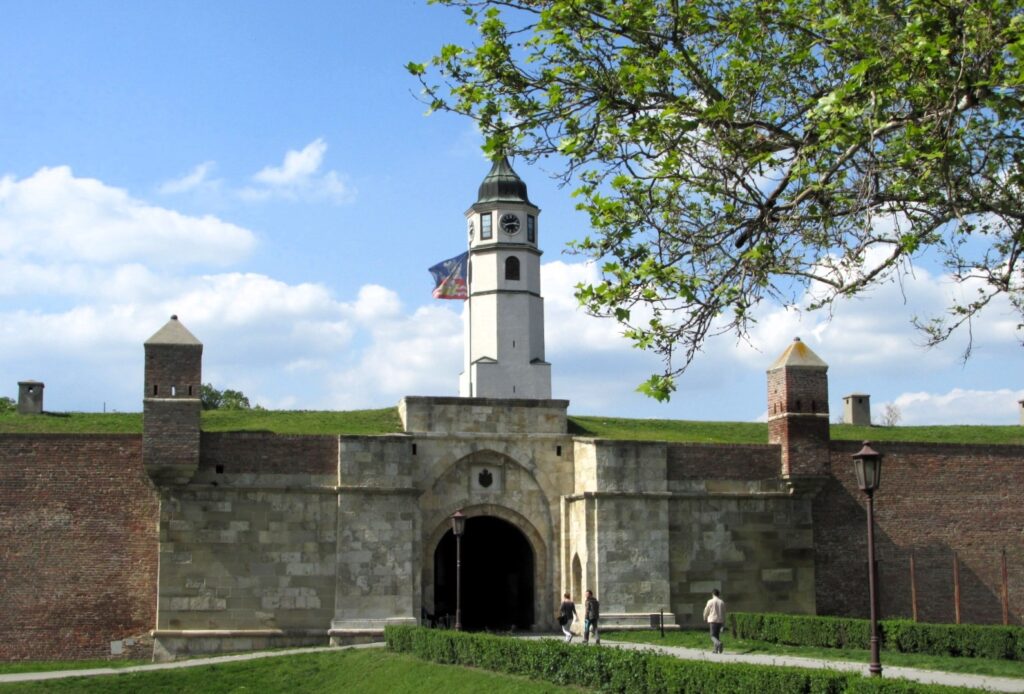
column 7, row 405
column 730, row 152
column 213, row 399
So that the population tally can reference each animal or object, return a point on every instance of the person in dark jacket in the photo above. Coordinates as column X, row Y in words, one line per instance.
column 591, row 613
column 566, row 616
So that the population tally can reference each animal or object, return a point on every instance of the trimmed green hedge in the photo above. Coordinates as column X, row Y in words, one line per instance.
column 610, row 669
column 900, row 635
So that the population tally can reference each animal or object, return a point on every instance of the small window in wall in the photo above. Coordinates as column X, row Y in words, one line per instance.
column 531, row 228
column 512, row 268
column 485, row 226
column 174, row 391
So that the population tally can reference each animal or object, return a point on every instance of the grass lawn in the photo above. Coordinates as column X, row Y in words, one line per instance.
column 371, row 670
column 386, row 421
column 701, row 640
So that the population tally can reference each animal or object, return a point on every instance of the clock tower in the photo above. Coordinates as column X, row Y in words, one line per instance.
column 504, row 346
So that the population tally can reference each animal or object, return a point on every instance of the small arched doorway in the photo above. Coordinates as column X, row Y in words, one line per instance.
column 497, row 576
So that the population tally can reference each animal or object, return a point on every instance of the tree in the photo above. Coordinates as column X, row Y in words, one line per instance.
column 7, row 405
column 213, row 399
column 892, row 415
column 730, row 153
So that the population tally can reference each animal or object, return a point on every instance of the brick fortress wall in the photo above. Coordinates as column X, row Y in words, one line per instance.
column 934, row 500
column 78, row 547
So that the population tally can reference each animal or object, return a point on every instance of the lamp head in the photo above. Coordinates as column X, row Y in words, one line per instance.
column 867, row 464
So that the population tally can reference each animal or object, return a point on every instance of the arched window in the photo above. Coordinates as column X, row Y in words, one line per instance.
column 512, row 268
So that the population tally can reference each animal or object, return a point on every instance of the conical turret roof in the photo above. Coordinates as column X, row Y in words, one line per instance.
column 173, row 333
column 798, row 354
column 502, row 184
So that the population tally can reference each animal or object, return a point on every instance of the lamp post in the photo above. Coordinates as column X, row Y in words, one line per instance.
column 867, row 464
column 458, row 527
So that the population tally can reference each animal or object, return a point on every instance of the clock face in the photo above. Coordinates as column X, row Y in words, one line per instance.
column 470, row 228
column 510, row 223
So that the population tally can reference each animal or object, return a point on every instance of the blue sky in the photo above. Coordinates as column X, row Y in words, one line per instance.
column 265, row 171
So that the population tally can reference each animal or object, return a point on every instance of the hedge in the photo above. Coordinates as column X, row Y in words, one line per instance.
column 610, row 669
column 899, row 635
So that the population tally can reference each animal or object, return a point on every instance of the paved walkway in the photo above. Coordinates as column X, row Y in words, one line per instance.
column 996, row 684
column 177, row 664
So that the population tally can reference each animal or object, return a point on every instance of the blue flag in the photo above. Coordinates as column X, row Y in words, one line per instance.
column 450, row 278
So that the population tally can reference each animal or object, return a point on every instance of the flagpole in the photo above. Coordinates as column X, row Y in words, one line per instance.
column 469, row 292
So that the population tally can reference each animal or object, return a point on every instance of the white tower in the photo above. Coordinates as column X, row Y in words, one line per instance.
column 504, row 355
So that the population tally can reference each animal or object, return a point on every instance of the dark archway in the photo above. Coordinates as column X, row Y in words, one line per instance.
column 497, row 576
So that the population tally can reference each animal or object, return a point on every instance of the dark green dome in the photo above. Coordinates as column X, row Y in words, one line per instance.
column 502, row 185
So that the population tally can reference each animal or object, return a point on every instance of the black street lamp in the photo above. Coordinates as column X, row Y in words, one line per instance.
column 867, row 464
column 458, row 527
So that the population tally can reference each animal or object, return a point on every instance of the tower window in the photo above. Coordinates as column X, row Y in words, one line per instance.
column 156, row 390
column 531, row 228
column 174, row 391
column 485, row 226
column 512, row 268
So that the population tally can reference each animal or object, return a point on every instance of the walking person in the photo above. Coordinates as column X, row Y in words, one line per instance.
column 714, row 615
column 566, row 616
column 591, row 613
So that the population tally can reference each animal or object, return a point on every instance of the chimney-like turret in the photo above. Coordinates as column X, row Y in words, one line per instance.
column 171, row 404
column 798, row 411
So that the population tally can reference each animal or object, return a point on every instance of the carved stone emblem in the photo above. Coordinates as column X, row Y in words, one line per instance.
column 485, row 478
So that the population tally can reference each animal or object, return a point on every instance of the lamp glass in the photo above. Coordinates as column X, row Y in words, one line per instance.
column 458, row 523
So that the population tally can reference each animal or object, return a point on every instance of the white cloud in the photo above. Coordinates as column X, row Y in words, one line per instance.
column 297, row 166
column 299, row 178
column 957, row 406
column 55, row 217
column 196, row 178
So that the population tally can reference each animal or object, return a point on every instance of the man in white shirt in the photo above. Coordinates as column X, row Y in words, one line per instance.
column 714, row 614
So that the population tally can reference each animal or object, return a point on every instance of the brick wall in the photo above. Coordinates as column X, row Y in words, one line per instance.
column 720, row 461
column 934, row 500
column 78, row 546
column 266, row 453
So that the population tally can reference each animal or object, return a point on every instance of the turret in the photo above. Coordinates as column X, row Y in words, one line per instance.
column 798, row 411
column 171, row 404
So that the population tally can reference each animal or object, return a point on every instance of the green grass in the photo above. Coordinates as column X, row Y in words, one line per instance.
column 368, row 671
column 356, row 422
column 701, row 640
column 382, row 421
column 71, row 423
column 386, row 421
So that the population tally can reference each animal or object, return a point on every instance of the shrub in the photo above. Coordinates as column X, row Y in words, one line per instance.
column 627, row 671
column 904, row 636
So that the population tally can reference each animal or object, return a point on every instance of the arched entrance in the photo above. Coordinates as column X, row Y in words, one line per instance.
column 497, row 576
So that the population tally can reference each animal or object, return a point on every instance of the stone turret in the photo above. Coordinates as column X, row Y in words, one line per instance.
column 857, row 409
column 798, row 411
column 171, row 405
column 30, row 397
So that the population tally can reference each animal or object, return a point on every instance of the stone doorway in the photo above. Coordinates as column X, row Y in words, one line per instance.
column 497, row 576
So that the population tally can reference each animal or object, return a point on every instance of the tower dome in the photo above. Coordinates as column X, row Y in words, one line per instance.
column 502, row 184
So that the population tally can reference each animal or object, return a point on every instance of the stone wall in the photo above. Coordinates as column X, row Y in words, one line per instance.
column 78, row 547
column 757, row 548
column 248, row 548
column 483, row 415
column 934, row 500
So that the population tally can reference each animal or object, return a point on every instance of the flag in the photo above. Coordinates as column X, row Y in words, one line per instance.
column 450, row 278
